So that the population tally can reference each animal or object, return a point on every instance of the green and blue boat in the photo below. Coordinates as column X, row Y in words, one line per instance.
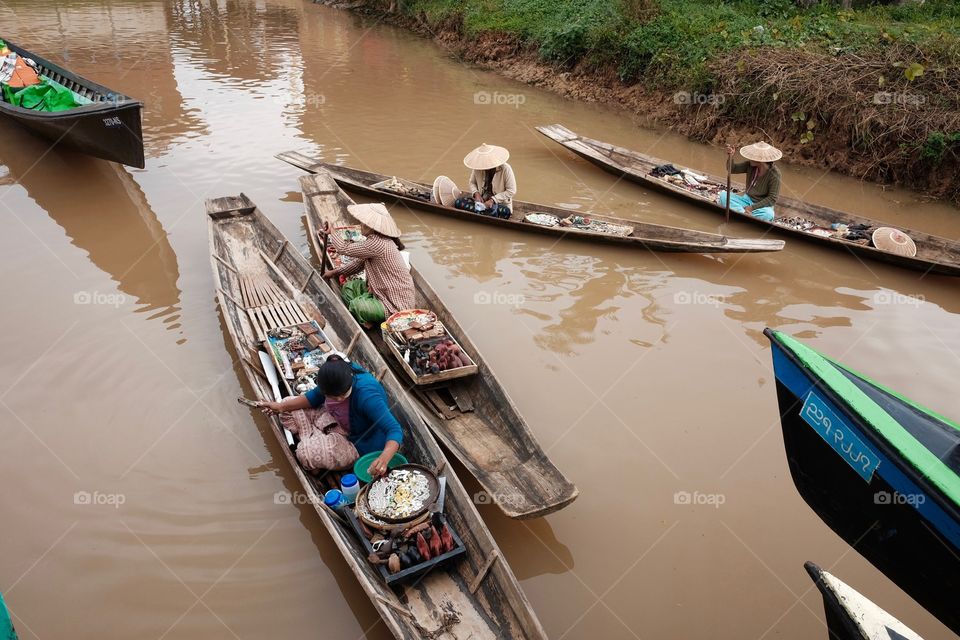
column 882, row 471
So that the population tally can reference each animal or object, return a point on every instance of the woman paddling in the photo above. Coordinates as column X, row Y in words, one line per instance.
column 763, row 180
column 388, row 287
column 344, row 417
column 492, row 182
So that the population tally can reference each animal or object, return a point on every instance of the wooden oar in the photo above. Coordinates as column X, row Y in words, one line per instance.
column 729, row 168
column 326, row 261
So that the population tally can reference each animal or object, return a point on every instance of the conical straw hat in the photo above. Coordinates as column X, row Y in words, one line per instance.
column 445, row 191
column 761, row 152
column 486, row 156
column 894, row 241
column 375, row 216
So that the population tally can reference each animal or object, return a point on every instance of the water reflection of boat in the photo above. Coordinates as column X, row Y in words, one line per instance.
column 851, row 615
column 880, row 470
column 104, row 212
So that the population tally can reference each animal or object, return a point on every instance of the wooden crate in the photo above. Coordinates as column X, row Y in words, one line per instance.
column 432, row 378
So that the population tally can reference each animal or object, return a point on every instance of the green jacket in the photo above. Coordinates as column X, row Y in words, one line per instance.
column 767, row 188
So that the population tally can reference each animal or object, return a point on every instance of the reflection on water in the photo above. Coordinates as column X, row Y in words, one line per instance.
column 105, row 213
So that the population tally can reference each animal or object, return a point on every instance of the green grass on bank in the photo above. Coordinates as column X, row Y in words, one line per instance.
column 670, row 43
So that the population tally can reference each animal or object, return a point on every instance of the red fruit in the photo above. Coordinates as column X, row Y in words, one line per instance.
column 446, row 539
column 436, row 547
column 423, row 547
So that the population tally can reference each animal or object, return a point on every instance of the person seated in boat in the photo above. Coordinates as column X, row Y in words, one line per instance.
column 763, row 181
column 345, row 416
column 492, row 183
column 387, row 286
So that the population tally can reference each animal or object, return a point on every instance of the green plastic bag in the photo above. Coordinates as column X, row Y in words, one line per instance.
column 362, row 304
column 41, row 97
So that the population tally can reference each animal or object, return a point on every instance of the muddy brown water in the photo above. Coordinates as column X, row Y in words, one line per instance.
column 139, row 500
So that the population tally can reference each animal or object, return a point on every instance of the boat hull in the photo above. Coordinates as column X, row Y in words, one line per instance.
column 879, row 518
column 935, row 254
column 645, row 235
column 477, row 596
column 851, row 615
column 490, row 437
column 109, row 128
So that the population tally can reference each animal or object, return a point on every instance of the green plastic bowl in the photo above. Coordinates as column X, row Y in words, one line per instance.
column 363, row 463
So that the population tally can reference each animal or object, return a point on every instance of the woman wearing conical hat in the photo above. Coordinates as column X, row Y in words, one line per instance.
column 492, row 182
column 388, row 287
column 763, row 180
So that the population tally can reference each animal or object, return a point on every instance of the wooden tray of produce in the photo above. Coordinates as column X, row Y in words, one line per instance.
column 423, row 379
column 415, row 570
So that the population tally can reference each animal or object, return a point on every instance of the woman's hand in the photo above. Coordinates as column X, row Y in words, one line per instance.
column 477, row 196
column 270, row 408
column 378, row 467
column 748, row 210
column 326, row 229
column 489, row 203
column 730, row 151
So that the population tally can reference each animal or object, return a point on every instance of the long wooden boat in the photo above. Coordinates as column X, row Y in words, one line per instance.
column 106, row 126
column 643, row 235
column 880, row 470
column 478, row 596
column 851, row 615
column 473, row 416
column 934, row 253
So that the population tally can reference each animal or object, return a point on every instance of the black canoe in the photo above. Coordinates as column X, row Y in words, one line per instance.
column 109, row 127
column 644, row 235
column 935, row 254
column 880, row 470
column 853, row 616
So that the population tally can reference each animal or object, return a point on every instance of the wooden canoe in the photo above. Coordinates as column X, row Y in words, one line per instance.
column 851, row 615
column 478, row 595
column 645, row 235
column 880, row 470
column 934, row 253
column 473, row 416
column 109, row 127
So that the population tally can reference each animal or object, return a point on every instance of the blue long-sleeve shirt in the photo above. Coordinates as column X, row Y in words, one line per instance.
column 372, row 423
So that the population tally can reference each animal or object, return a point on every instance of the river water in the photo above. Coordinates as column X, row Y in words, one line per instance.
column 138, row 497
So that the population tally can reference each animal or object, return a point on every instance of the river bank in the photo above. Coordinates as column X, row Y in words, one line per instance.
column 874, row 94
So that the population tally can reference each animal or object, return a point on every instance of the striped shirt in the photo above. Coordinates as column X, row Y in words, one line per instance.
column 387, row 275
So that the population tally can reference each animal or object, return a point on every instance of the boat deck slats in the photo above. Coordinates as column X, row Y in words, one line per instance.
column 267, row 305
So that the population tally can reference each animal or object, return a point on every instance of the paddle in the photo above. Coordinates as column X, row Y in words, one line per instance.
column 729, row 168
column 326, row 261
column 271, row 371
